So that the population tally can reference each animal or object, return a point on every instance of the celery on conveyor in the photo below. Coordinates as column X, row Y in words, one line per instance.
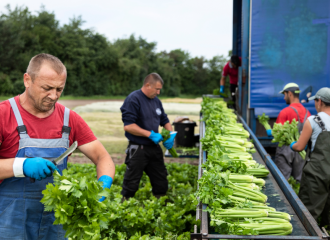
column 224, row 138
column 269, row 228
column 247, row 193
column 240, row 178
column 244, row 200
column 249, row 185
column 241, row 155
column 258, row 172
column 238, row 213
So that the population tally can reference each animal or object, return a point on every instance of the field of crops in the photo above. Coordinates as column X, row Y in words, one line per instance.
column 74, row 198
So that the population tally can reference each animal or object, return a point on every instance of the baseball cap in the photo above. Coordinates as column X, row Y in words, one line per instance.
column 291, row 87
column 323, row 94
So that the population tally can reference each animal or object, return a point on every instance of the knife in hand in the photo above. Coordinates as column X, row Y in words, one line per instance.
column 61, row 158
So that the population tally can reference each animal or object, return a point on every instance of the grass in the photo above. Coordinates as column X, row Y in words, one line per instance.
column 108, row 128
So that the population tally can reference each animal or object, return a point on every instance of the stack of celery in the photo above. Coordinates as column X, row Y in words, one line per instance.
column 231, row 183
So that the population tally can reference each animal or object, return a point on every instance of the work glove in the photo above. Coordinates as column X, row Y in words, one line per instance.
column 107, row 182
column 38, row 168
column 222, row 89
column 292, row 145
column 269, row 132
column 168, row 144
column 155, row 137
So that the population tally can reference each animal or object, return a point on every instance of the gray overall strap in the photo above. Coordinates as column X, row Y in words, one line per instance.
column 66, row 129
column 321, row 124
column 297, row 113
column 21, row 127
column 305, row 115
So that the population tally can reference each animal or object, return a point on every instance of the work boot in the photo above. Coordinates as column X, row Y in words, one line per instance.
column 123, row 199
column 158, row 196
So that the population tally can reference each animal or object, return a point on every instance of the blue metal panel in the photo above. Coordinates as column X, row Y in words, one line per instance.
column 290, row 42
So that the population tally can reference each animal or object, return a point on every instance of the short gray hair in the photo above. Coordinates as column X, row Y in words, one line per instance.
column 37, row 61
column 152, row 78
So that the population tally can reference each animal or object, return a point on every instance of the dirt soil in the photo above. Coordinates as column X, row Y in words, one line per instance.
column 119, row 158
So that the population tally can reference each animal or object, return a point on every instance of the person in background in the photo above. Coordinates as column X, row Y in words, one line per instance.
column 231, row 70
column 288, row 161
column 315, row 183
column 142, row 114
column 34, row 129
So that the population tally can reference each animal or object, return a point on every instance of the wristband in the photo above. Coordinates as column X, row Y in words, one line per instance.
column 18, row 167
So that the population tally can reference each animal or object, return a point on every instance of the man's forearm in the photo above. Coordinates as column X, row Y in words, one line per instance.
column 105, row 166
column 168, row 126
column 222, row 81
column 6, row 168
column 136, row 130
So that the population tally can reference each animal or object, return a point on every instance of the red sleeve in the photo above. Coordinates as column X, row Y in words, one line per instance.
column 80, row 131
column 225, row 71
column 282, row 117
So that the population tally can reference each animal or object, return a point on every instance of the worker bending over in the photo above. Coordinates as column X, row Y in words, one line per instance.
column 288, row 161
column 315, row 183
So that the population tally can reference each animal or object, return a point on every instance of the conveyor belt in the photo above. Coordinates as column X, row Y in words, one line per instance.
column 280, row 196
column 277, row 200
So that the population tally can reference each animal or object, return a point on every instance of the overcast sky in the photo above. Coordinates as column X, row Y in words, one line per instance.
column 203, row 28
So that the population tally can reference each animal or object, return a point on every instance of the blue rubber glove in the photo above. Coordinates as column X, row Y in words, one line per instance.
column 155, row 137
column 107, row 182
column 269, row 133
column 222, row 89
column 169, row 142
column 292, row 145
column 38, row 168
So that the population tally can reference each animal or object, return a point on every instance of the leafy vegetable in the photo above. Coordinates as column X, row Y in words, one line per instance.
column 166, row 134
column 74, row 198
column 286, row 134
column 263, row 119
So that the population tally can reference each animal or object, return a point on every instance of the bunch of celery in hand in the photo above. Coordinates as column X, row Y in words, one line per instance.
column 166, row 134
column 286, row 134
column 263, row 119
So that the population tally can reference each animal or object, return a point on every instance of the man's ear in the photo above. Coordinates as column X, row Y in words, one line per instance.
column 27, row 80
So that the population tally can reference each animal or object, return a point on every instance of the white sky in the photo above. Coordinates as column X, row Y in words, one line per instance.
column 203, row 28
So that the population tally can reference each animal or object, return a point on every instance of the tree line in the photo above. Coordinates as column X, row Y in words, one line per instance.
column 95, row 65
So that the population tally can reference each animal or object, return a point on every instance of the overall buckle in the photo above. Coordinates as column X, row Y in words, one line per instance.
column 21, row 129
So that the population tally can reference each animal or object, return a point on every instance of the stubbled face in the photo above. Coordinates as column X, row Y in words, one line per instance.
column 317, row 104
column 286, row 97
column 46, row 88
column 154, row 89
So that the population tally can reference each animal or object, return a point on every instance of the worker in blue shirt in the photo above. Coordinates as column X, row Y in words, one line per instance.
column 142, row 113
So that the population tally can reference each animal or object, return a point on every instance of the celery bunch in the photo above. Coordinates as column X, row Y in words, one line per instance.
column 263, row 119
column 166, row 134
column 286, row 134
